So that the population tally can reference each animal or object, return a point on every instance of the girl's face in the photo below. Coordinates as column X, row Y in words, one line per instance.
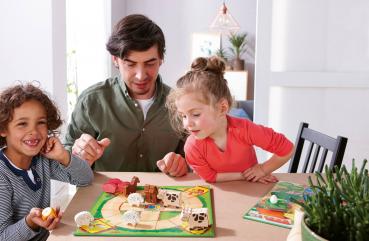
column 26, row 134
column 199, row 119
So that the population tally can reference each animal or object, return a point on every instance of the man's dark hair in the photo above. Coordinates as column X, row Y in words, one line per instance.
column 135, row 32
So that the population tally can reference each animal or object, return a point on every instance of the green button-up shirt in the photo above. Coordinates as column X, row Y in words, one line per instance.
column 107, row 110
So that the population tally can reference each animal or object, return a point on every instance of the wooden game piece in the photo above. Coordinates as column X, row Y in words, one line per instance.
column 135, row 199
column 114, row 186
column 151, row 193
column 273, row 199
column 48, row 212
column 197, row 218
column 131, row 187
column 170, row 198
column 131, row 217
column 83, row 218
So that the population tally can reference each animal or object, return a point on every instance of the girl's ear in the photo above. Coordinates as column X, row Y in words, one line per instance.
column 2, row 134
column 223, row 106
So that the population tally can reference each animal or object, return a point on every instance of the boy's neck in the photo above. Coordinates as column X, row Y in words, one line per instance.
column 18, row 160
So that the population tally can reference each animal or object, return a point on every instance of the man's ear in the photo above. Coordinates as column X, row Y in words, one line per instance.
column 115, row 61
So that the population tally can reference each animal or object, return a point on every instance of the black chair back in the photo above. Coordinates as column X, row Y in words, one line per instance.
column 317, row 141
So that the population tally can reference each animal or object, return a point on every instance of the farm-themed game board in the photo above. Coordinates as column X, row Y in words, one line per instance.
column 155, row 219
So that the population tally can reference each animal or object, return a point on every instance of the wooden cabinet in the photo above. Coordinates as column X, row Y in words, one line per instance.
column 237, row 83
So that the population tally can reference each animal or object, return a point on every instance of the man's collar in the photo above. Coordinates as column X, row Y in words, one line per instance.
column 158, row 87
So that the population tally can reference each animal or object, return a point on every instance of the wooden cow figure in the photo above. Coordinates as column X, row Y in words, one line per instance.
column 151, row 193
column 170, row 198
column 197, row 218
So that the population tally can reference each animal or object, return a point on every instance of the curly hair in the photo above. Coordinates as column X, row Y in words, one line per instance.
column 206, row 78
column 13, row 97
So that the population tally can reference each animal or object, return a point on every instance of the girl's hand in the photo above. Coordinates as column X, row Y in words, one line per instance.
column 54, row 150
column 34, row 220
column 254, row 173
column 268, row 179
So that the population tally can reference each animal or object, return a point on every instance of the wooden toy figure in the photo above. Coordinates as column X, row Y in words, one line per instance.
column 83, row 218
column 131, row 187
column 197, row 218
column 170, row 198
column 151, row 193
column 114, row 186
column 131, row 217
column 135, row 199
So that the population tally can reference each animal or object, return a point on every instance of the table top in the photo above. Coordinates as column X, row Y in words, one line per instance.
column 230, row 202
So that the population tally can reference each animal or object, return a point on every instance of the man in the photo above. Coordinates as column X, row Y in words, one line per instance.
column 122, row 124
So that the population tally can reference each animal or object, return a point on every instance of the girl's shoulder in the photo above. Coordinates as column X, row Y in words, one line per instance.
column 192, row 143
column 238, row 123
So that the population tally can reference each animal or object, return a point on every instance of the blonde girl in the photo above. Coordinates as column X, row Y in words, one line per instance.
column 220, row 147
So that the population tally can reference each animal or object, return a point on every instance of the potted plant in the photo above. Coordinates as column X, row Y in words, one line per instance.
column 222, row 53
column 337, row 207
column 238, row 48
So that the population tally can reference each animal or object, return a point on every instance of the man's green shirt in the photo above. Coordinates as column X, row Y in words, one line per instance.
column 107, row 110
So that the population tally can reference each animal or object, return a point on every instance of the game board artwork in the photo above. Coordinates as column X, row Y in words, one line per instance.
column 275, row 207
column 153, row 219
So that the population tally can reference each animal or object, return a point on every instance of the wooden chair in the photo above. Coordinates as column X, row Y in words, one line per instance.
column 318, row 140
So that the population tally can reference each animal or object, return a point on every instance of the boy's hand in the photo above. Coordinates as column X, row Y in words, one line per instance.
column 54, row 150
column 34, row 219
column 254, row 173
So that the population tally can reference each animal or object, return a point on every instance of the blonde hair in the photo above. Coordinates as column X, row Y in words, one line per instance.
column 205, row 78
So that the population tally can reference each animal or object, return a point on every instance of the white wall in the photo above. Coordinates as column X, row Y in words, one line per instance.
column 180, row 18
column 32, row 45
column 312, row 65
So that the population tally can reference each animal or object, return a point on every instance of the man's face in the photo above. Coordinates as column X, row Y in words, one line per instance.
column 139, row 71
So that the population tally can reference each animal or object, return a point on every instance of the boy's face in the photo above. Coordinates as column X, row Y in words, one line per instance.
column 26, row 134
column 139, row 71
column 199, row 119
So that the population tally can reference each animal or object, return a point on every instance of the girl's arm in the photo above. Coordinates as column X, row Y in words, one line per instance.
column 259, row 171
column 229, row 176
column 276, row 162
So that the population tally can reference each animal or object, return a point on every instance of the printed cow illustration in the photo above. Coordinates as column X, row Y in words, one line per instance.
column 170, row 198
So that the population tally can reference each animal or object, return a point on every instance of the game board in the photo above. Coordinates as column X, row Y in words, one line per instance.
column 156, row 220
column 282, row 213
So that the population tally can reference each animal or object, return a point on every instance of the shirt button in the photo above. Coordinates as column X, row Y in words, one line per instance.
column 141, row 155
column 143, row 129
column 136, row 104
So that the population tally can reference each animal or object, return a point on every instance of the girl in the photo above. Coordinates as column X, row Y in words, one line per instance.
column 220, row 147
column 30, row 156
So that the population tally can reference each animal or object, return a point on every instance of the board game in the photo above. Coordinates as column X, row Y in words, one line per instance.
column 155, row 218
column 280, row 213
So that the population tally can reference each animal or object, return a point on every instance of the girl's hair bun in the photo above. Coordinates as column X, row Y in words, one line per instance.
column 213, row 64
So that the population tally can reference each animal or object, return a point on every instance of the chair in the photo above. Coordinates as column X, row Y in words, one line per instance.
column 319, row 140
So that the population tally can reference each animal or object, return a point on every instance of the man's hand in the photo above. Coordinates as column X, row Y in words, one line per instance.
column 34, row 220
column 89, row 149
column 173, row 164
